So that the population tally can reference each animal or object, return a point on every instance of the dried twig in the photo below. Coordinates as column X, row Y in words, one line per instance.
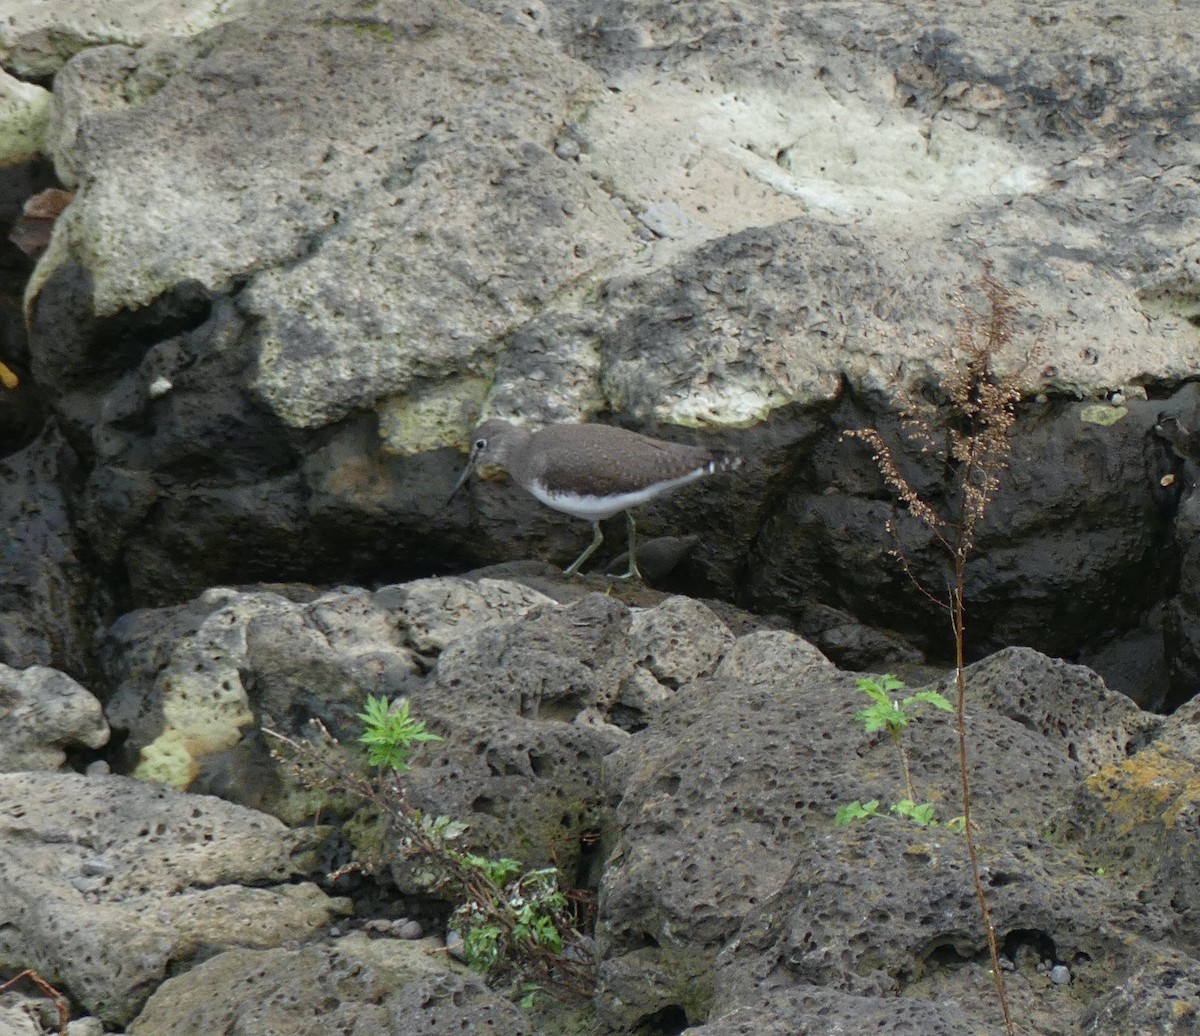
column 57, row 998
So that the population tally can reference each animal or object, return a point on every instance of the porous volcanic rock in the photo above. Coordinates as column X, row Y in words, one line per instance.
column 47, row 595
column 733, row 790
column 529, row 695
column 354, row 985
column 108, row 883
column 693, row 775
column 42, row 713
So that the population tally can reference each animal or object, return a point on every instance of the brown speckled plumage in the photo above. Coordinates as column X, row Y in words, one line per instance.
column 592, row 471
column 592, row 459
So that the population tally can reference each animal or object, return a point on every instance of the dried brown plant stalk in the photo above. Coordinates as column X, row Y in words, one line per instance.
column 59, row 1001
column 972, row 440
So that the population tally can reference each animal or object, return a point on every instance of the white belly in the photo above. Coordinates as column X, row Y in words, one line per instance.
column 593, row 508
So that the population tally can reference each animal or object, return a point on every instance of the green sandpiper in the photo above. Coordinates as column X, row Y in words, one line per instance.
column 592, row 471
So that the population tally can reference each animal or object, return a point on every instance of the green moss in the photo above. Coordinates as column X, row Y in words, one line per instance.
column 376, row 30
column 364, row 28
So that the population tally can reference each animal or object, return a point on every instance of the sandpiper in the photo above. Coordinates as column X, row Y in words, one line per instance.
column 592, row 471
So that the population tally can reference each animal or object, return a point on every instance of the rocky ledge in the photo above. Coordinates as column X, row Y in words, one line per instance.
column 681, row 764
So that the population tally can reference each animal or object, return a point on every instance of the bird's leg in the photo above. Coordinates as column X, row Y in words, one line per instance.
column 597, row 539
column 634, row 572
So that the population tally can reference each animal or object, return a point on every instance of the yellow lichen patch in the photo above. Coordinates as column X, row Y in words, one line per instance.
column 167, row 760
column 1157, row 784
column 203, row 715
column 432, row 417
column 1102, row 414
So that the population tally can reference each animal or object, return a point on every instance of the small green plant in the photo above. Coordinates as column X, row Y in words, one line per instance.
column 894, row 714
column 537, row 910
column 922, row 813
column 515, row 924
column 528, row 992
column 391, row 733
column 500, row 872
column 856, row 810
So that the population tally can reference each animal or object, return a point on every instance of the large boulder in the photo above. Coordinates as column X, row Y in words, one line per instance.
column 42, row 714
column 108, row 884
column 355, row 985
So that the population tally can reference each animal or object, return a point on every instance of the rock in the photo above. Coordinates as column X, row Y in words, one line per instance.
column 1160, row 995
column 1135, row 817
column 311, row 242
column 192, row 683
column 816, row 1012
column 657, row 558
column 1079, row 513
column 679, row 641
column 24, row 113
column 108, row 884
column 36, row 42
column 729, row 901
column 1069, row 705
column 410, row 930
column 732, row 792
column 15, row 1021
column 523, row 703
column 359, row 985
column 1060, row 975
column 521, row 694
column 573, row 223
column 46, row 597
column 455, row 946
column 328, row 340
column 43, row 712
column 435, row 612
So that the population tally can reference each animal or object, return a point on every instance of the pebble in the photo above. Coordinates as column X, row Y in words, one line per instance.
column 406, row 929
column 159, row 387
column 1060, row 974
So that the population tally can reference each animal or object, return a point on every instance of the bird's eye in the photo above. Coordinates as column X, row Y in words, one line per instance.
column 481, row 444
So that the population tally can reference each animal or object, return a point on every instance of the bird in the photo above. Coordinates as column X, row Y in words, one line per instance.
column 591, row 471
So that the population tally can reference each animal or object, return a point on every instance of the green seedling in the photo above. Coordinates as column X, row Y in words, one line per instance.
column 894, row 714
column 390, row 734
column 922, row 813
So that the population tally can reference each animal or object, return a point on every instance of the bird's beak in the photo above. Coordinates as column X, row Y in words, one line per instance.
column 462, row 479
